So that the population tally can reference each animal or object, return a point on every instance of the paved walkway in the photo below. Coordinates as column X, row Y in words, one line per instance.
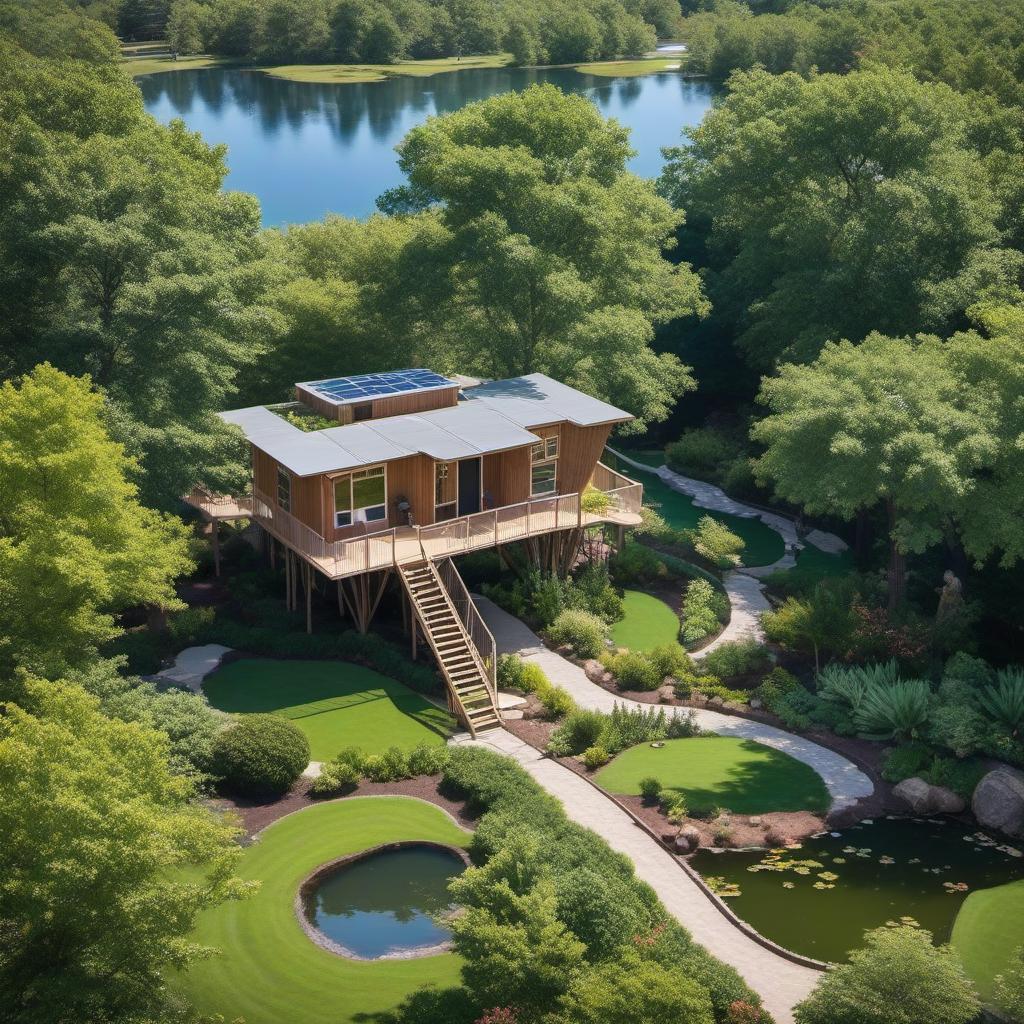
column 780, row 983
column 846, row 783
column 193, row 665
column 746, row 603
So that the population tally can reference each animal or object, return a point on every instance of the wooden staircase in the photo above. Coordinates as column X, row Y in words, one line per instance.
column 470, row 697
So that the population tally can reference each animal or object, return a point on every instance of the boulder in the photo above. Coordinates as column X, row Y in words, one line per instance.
column 666, row 693
column 923, row 798
column 687, row 840
column 594, row 669
column 668, row 836
column 715, row 702
column 998, row 801
column 756, row 703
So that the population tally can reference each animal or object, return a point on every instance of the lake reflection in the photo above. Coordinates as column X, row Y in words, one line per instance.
column 309, row 149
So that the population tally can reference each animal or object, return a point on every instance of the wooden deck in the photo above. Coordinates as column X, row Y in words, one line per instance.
column 410, row 544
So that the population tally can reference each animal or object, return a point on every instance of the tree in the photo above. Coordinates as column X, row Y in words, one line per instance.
column 633, row 990
column 124, row 259
column 557, row 250
column 822, row 621
column 104, row 866
column 184, row 27
column 899, row 977
column 879, row 215
column 887, row 421
column 75, row 544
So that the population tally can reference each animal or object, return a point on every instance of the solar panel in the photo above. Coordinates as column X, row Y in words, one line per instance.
column 341, row 390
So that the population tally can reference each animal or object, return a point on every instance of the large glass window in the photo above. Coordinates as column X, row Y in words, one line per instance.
column 284, row 489
column 360, row 497
column 544, row 467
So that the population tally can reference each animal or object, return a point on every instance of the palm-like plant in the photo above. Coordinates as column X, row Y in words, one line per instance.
column 849, row 686
column 896, row 711
column 1004, row 701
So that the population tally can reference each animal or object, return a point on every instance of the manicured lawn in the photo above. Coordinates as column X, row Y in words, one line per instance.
column 336, row 704
column 632, row 68
column 269, row 971
column 719, row 771
column 989, row 927
column 648, row 623
column 341, row 73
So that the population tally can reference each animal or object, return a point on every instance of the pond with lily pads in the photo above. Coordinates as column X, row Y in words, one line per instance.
column 818, row 899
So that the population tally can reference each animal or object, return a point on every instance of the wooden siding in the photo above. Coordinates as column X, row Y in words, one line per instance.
column 579, row 451
column 306, row 491
column 392, row 405
column 507, row 476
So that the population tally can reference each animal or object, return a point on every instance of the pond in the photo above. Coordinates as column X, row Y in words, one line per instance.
column 310, row 149
column 388, row 904
column 819, row 900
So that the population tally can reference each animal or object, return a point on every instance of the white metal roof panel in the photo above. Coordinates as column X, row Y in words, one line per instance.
column 481, row 427
column 416, row 433
column 536, row 399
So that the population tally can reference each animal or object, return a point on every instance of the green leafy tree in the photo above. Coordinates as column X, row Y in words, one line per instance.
column 899, row 977
column 824, row 621
column 879, row 215
column 184, row 27
column 633, row 990
column 1009, row 987
column 104, row 866
column 556, row 256
column 124, row 259
column 885, row 422
column 75, row 544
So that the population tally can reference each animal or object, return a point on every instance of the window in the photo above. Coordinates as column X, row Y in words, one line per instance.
column 284, row 489
column 360, row 497
column 362, row 412
column 543, row 469
column 446, row 489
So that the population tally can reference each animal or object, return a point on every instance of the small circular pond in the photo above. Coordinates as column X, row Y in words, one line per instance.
column 820, row 898
column 386, row 903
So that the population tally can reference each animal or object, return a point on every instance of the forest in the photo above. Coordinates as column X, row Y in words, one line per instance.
column 818, row 306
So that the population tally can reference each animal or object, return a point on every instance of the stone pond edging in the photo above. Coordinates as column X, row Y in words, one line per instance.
column 330, row 867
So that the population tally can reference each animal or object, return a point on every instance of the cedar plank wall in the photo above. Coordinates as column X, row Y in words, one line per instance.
column 392, row 405
column 507, row 476
column 579, row 451
column 307, row 500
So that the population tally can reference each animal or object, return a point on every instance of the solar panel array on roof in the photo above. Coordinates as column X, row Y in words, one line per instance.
column 341, row 390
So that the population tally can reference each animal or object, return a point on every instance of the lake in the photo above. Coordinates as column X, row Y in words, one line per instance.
column 310, row 149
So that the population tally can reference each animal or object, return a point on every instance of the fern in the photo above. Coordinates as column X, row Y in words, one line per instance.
column 896, row 711
column 1004, row 701
column 849, row 686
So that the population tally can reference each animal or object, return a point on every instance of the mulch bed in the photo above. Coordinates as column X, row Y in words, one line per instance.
column 256, row 816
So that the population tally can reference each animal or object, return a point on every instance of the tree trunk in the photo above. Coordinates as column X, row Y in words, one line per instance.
column 897, row 563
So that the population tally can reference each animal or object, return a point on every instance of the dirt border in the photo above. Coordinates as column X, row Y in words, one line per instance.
column 330, row 867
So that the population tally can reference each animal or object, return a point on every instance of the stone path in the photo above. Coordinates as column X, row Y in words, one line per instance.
column 845, row 782
column 780, row 983
column 746, row 602
column 193, row 665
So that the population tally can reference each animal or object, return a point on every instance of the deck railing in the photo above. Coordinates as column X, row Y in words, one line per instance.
column 471, row 618
column 625, row 494
column 403, row 544
column 218, row 506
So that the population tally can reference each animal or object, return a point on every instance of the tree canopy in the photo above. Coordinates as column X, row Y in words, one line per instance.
column 837, row 205
column 76, row 546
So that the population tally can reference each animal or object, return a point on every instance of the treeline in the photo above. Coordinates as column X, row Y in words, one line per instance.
column 384, row 31
column 973, row 47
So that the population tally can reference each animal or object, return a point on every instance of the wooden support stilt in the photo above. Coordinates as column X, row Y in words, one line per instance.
column 273, row 550
column 362, row 595
column 216, row 547
column 287, row 580
column 341, row 599
column 307, row 572
column 414, row 641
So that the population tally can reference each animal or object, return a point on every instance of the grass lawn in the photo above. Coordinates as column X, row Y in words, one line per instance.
column 648, row 623
column 335, row 703
column 632, row 68
column 269, row 971
column 989, row 927
column 719, row 771
column 138, row 66
column 379, row 72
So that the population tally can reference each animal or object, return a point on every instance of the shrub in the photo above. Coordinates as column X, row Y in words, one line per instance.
column 739, row 658
column 670, row 660
column 584, row 632
column 594, row 501
column 628, row 726
column 580, row 729
column 594, row 757
column 962, row 777
column 683, row 726
column 508, row 671
column 959, row 727
column 261, row 756
column 775, row 686
column 726, row 693
column 897, row 977
column 335, row 777
column 1004, row 702
column 185, row 626
column 427, row 759
column 705, row 610
column 636, row 565
column 1009, row 987
column 650, row 788
column 353, row 756
column 700, row 453
column 389, row 766
column 673, row 806
column 532, row 678
column 906, row 761
column 556, row 701
column 593, row 592
column 717, row 543
column 633, row 670
column 794, row 709
column 894, row 712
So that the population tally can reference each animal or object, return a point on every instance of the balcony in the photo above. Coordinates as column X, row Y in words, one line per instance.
column 404, row 544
